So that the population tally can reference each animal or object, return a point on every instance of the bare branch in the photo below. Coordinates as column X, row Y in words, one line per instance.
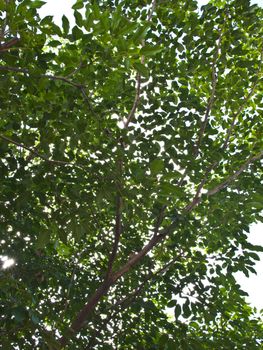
column 151, row 275
column 34, row 152
column 86, row 311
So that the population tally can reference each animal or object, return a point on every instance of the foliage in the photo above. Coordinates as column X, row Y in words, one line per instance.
column 130, row 173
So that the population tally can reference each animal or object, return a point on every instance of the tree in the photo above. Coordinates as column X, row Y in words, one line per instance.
column 130, row 173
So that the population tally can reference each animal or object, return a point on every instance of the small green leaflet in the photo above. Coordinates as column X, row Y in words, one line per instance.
column 78, row 18
column 140, row 33
column 78, row 5
column 156, row 166
column 43, row 239
column 65, row 24
column 148, row 50
column 37, row 4
column 177, row 311
column 141, row 69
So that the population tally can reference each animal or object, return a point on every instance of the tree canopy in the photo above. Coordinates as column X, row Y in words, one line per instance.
column 130, row 146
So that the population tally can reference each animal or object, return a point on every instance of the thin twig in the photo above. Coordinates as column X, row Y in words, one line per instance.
column 138, row 76
column 159, row 220
column 135, row 102
column 116, row 236
column 86, row 99
column 223, row 184
column 152, row 8
column 48, row 76
column 37, row 154
column 242, row 106
column 81, row 65
column 212, row 166
column 212, row 96
column 70, row 286
column 235, row 175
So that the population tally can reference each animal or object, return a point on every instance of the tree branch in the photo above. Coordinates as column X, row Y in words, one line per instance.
column 128, row 300
column 225, row 183
column 228, row 135
column 242, row 106
column 209, row 104
column 135, row 102
column 235, row 175
column 9, row 44
column 48, row 76
column 86, row 311
column 116, row 237
column 138, row 76
column 212, row 96
column 37, row 154
column 144, row 251
column 135, row 259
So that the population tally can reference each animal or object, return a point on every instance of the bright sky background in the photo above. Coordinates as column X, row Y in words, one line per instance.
column 252, row 285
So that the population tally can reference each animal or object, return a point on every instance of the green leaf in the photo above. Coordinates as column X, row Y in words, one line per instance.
column 140, row 33
column 43, row 239
column 177, row 311
column 78, row 5
column 37, row 4
column 78, row 18
column 172, row 303
column 65, row 24
column 47, row 20
column 186, row 310
column 20, row 314
column 77, row 33
column 156, row 166
column 256, row 205
column 148, row 50
column 141, row 69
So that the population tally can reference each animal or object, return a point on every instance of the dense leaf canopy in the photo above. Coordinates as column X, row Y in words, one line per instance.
column 130, row 173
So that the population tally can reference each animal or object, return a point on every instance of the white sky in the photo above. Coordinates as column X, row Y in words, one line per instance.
column 252, row 285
